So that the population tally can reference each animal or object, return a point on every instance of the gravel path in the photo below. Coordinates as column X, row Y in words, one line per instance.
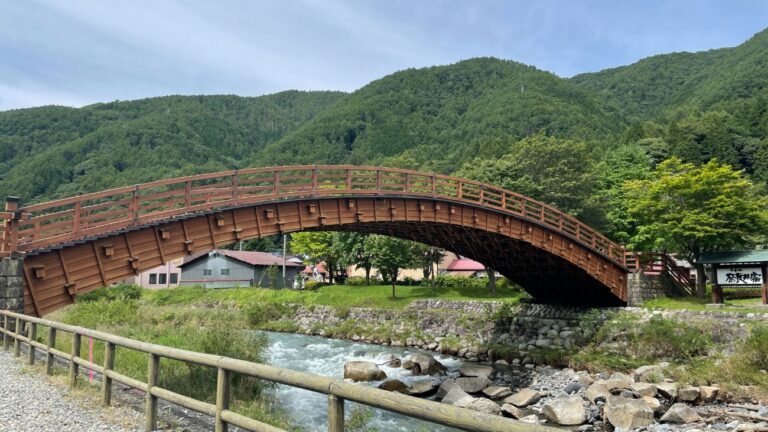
column 29, row 402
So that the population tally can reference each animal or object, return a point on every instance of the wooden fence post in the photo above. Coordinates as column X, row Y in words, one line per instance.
column 6, row 338
column 335, row 414
column 17, row 329
column 152, row 372
column 223, row 384
column 32, row 336
column 49, row 357
column 73, row 367
column 106, row 382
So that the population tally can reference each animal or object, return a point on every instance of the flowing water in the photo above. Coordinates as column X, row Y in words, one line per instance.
column 326, row 357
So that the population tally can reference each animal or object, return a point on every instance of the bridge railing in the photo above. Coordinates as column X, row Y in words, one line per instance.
column 23, row 329
column 41, row 225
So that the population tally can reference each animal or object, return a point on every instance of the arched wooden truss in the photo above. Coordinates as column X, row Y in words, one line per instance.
column 75, row 245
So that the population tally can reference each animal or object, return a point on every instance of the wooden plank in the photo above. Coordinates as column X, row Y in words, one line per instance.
column 30, row 288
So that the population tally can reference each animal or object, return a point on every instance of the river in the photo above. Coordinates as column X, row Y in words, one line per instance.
column 326, row 357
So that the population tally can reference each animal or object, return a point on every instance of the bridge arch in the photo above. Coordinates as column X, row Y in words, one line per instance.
column 75, row 245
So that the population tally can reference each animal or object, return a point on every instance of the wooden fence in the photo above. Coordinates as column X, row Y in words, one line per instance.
column 23, row 329
column 36, row 226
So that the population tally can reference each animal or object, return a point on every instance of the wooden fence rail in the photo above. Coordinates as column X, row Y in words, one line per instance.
column 338, row 391
column 37, row 226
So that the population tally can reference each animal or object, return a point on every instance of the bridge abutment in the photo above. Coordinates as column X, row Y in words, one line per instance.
column 642, row 287
column 12, row 284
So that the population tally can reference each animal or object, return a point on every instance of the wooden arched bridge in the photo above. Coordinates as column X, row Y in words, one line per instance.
column 75, row 245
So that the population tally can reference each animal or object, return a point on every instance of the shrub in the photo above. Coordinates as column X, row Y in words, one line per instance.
column 355, row 281
column 313, row 285
column 753, row 351
column 461, row 283
column 102, row 313
column 111, row 293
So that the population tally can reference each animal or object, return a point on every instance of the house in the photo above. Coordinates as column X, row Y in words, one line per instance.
column 165, row 276
column 221, row 268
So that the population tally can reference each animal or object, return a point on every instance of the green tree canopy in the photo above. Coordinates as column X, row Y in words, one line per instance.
column 389, row 255
column 693, row 209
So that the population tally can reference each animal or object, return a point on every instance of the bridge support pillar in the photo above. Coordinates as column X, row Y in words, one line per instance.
column 12, row 284
column 642, row 287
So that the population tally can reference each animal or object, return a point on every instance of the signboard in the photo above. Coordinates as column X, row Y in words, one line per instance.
column 740, row 276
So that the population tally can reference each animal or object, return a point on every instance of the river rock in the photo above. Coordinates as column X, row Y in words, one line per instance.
column 473, row 384
column 688, row 394
column 649, row 374
column 597, row 391
column 476, row 371
column 458, row 397
column 653, row 404
column 533, row 418
column 422, row 388
column 680, row 413
column 424, row 364
column 618, row 381
column 484, row 405
column 668, row 390
column 394, row 386
column 565, row 411
column 627, row 414
column 510, row 410
column 644, row 389
column 445, row 387
column 363, row 371
column 393, row 362
column 708, row 394
column 523, row 398
column 497, row 392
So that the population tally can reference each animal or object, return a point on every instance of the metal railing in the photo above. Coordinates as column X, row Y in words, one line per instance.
column 25, row 330
column 37, row 226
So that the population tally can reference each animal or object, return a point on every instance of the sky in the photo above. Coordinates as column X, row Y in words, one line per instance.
column 78, row 52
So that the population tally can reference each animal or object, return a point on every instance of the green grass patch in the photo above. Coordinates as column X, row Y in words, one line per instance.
column 742, row 305
column 374, row 296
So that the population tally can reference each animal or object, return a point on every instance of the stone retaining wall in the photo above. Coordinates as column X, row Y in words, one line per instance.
column 12, row 284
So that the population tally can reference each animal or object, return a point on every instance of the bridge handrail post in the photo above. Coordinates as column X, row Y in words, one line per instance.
column 275, row 182
column 187, row 193
column 235, row 184
column 434, row 185
column 11, row 235
column 135, row 203
column 223, row 385
column 314, row 180
column 76, row 217
column 17, row 330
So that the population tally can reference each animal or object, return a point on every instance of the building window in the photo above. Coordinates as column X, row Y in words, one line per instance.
column 225, row 272
column 174, row 278
column 207, row 272
column 163, row 278
column 153, row 278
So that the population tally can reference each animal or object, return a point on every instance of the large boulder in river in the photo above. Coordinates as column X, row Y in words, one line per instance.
column 565, row 411
column 423, row 364
column 458, row 397
column 394, row 386
column 497, row 392
column 422, row 388
column 523, row 398
column 680, row 413
column 445, row 387
column 476, row 371
column 627, row 414
column 473, row 384
column 363, row 371
column 484, row 405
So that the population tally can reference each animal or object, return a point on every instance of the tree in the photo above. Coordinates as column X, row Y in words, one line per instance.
column 427, row 257
column 553, row 170
column 693, row 210
column 353, row 250
column 319, row 246
column 390, row 255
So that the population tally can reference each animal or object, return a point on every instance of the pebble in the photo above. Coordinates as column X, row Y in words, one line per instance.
column 30, row 403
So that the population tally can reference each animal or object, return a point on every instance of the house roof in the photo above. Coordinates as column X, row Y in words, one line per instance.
column 248, row 257
column 319, row 267
column 735, row 257
column 465, row 264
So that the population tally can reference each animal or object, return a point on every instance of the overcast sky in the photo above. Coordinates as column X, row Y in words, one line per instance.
column 80, row 52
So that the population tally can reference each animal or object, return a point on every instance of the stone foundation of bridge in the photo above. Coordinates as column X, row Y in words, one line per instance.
column 12, row 284
column 643, row 287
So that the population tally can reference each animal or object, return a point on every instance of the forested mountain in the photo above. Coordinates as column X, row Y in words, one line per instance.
column 483, row 112
column 56, row 151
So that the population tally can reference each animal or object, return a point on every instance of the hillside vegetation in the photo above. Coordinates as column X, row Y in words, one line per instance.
column 494, row 114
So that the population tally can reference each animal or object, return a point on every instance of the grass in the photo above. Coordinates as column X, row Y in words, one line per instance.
column 699, row 304
column 374, row 296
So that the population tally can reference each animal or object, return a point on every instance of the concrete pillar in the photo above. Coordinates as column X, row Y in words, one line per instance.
column 12, row 284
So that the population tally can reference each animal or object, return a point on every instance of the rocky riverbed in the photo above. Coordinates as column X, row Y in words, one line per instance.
column 642, row 400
